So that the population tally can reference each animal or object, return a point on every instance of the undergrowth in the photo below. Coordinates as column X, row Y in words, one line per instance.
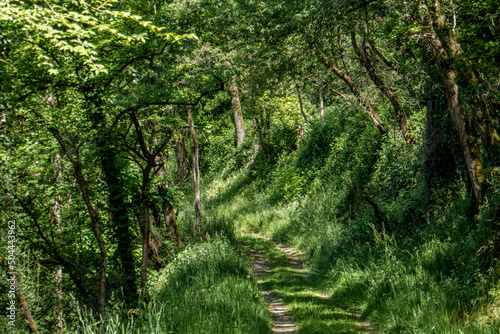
column 208, row 288
column 407, row 256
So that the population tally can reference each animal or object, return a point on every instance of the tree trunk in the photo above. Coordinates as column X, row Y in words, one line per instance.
column 58, row 269
column 58, row 312
column 109, row 157
column 171, row 222
column 145, row 221
column 258, row 130
column 300, row 134
column 146, row 232
column 181, row 157
column 144, row 215
column 439, row 166
column 460, row 116
column 196, row 175
column 58, row 199
column 74, row 158
column 167, row 209
column 257, row 136
column 263, row 135
column 119, row 216
column 237, row 113
column 301, row 106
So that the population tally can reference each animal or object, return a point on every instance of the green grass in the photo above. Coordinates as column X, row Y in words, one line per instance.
column 208, row 288
column 404, row 293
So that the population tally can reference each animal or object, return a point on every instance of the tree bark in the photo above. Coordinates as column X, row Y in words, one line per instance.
column 263, row 134
column 74, row 158
column 167, row 211
column 196, row 176
column 237, row 112
column 146, row 223
column 145, row 204
column 300, row 134
column 146, row 229
column 433, row 21
column 171, row 222
column 109, row 158
column 119, row 216
column 58, row 269
column 258, row 130
column 58, row 312
column 181, row 157
column 257, row 136
column 301, row 106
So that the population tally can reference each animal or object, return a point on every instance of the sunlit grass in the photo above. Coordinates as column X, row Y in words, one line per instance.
column 310, row 310
column 208, row 288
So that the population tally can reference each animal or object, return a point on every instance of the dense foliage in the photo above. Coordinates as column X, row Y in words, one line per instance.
column 364, row 132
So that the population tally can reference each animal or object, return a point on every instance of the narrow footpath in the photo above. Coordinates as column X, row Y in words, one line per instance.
column 282, row 322
column 295, row 304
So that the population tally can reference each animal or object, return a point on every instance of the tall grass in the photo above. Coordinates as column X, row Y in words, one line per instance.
column 406, row 293
column 208, row 288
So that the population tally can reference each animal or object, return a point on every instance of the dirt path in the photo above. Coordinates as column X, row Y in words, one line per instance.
column 283, row 322
column 279, row 312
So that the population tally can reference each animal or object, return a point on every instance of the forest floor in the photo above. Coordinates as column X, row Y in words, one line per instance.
column 296, row 303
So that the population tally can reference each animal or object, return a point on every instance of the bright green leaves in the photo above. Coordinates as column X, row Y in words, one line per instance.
column 73, row 33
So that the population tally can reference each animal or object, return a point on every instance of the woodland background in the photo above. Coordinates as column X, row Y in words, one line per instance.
column 138, row 138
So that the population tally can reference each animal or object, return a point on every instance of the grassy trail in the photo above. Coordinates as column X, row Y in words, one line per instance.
column 286, row 280
column 282, row 321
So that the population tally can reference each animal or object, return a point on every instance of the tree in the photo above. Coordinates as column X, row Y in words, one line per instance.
column 445, row 49
column 75, row 57
column 237, row 113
